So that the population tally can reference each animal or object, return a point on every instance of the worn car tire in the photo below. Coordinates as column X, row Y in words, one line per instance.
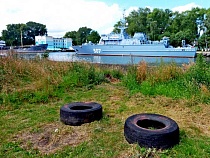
column 151, row 131
column 78, row 113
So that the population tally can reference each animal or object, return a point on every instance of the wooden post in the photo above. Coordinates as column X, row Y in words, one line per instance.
column 21, row 37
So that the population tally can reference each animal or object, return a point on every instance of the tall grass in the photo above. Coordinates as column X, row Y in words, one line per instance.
column 40, row 80
column 32, row 93
column 189, row 81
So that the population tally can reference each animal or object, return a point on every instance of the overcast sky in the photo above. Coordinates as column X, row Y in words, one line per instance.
column 61, row 16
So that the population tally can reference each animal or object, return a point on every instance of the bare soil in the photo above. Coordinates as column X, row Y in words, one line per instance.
column 52, row 137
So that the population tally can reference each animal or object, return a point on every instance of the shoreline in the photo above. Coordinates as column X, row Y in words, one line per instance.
column 11, row 51
column 205, row 54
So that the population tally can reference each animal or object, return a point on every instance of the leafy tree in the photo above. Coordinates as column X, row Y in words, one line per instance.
column 34, row 29
column 93, row 37
column 82, row 34
column 72, row 35
column 12, row 35
column 18, row 34
column 138, row 21
column 159, row 23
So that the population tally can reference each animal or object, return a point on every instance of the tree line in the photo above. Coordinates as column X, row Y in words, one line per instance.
column 178, row 26
column 23, row 34
column 156, row 23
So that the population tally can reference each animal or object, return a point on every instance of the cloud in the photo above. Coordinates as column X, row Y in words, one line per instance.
column 185, row 7
column 130, row 9
column 61, row 16
column 66, row 15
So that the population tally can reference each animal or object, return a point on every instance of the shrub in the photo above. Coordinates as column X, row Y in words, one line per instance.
column 199, row 73
column 142, row 69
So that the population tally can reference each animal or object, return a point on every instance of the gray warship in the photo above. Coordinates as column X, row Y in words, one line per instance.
column 139, row 45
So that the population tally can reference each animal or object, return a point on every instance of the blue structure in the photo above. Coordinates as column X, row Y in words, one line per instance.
column 54, row 43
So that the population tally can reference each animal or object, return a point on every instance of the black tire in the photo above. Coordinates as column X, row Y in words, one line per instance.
column 78, row 113
column 164, row 135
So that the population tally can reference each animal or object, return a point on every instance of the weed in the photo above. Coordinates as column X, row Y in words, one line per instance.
column 32, row 92
column 171, row 80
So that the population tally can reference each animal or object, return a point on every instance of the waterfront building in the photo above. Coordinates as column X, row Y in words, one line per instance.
column 2, row 44
column 54, row 43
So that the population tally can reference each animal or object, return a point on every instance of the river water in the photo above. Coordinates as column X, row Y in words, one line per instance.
column 121, row 60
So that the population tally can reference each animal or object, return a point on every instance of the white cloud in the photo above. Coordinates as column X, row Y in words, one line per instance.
column 66, row 15
column 185, row 7
column 130, row 9
column 61, row 16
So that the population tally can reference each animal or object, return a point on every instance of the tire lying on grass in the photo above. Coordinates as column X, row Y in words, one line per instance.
column 151, row 131
column 78, row 113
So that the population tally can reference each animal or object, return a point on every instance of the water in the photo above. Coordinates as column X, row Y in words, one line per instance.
column 121, row 60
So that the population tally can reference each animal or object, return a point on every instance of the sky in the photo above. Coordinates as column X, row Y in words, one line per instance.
column 61, row 16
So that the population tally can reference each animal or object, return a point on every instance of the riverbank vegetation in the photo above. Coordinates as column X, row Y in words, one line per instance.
column 32, row 92
column 191, row 81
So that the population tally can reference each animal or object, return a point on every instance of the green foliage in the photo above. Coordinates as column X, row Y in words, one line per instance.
column 12, row 35
column 94, row 37
column 72, row 35
column 117, row 74
column 129, row 80
column 45, row 55
column 171, row 80
column 82, row 34
column 158, row 23
column 29, row 116
column 200, row 72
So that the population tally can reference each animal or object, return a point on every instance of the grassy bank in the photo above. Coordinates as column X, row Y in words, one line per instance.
column 32, row 93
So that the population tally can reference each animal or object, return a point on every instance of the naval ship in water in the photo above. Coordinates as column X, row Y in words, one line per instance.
column 139, row 45
column 40, row 48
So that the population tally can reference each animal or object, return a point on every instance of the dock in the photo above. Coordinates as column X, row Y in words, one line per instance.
column 204, row 53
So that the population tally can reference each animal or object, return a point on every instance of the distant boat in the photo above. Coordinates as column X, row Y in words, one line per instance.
column 41, row 48
column 139, row 45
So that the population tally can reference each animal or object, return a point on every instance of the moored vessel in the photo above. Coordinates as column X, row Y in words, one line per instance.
column 139, row 45
column 40, row 48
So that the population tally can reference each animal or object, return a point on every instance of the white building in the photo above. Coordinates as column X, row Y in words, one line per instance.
column 2, row 44
column 54, row 43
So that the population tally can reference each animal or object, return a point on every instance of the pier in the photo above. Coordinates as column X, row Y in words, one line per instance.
column 204, row 53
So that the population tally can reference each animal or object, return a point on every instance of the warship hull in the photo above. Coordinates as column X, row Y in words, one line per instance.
column 135, row 50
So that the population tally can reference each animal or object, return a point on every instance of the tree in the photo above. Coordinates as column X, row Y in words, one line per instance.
column 93, row 37
column 82, row 34
column 159, row 23
column 34, row 29
column 12, row 35
column 72, row 35
column 138, row 21
column 18, row 34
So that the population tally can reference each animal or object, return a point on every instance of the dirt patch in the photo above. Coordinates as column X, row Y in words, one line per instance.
column 49, row 138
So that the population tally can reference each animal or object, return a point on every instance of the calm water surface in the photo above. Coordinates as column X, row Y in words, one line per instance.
column 121, row 60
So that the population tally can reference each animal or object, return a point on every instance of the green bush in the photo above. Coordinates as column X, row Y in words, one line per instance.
column 171, row 80
column 199, row 73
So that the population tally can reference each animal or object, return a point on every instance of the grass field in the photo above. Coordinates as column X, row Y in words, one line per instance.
column 32, row 93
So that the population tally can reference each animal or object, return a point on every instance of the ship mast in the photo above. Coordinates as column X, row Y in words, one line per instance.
column 123, row 26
